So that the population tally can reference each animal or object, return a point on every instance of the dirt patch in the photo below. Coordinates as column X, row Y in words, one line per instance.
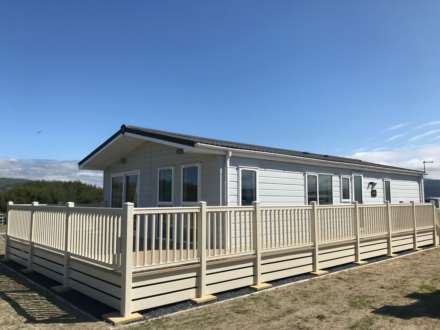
column 398, row 294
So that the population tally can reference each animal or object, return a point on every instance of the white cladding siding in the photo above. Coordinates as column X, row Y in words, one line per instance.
column 336, row 189
column 278, row 187
column 368, row 199
column 404, row 191
column 233, row 185
column 284, row 183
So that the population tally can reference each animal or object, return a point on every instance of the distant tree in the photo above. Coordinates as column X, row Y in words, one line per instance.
column 52, row 192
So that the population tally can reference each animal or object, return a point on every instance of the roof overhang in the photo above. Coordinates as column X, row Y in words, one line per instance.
column 119, row 145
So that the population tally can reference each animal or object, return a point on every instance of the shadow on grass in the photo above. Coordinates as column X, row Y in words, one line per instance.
column 427, row 305
column 34, row 306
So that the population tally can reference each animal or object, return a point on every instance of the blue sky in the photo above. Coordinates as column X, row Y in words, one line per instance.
column 342, row 77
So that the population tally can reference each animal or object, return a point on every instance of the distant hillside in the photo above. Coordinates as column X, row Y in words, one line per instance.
column 51, row 192
column 432, row 188
column 6, row 183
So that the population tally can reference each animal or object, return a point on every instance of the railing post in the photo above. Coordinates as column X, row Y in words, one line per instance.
column 202, row 296
column 66, row 264
column 31, row 238
column 127, row 258
column 414, row 218
column 390, row 232
column 315, row 233
column 257, row 238
column 436, row 225
column 358, row 259
column 8, row 219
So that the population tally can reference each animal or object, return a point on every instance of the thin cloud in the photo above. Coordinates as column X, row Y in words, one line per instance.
column 429, row 123
column 395, row 137
column 406, row 157
column 37, row 169
column 395, row 127
column 423, row 135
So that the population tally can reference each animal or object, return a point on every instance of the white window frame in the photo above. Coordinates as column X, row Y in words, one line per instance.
column 159, row 202
column 384, row 195
column 254, row 169
column 350, row 189
column 317, row 174
column 123, row 175
column 199, row 183
column 353, row 188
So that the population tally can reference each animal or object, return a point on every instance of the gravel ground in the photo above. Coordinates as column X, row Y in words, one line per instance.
column 403, row 293
column 22, row 306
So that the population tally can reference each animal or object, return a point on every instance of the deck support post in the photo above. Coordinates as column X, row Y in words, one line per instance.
column 435, row 224
column 201, row 295
column 390, row 231
column 8, row 217
column 358, row 259
column 127, row 258
column 28, row 268
column 414, row 218
column 315, row 233
column 256, row 239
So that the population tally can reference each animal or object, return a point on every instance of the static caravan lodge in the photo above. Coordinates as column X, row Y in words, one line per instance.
column 157, row 168
column 189, row 217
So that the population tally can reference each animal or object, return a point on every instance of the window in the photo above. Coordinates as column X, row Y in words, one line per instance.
column 165, row 182
column 312, row 188
column 357, row 182
column 345, row 189
column 117, row 191
column 131, row 188
column 387, row 192
column 190, row 183
column 248, row 187
column 325, row 189
column 319, row 189
column 124, row 188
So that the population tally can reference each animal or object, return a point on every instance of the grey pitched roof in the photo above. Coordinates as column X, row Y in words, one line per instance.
column 191, row 141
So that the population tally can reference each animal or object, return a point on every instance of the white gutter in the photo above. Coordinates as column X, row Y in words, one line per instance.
column 303, row 160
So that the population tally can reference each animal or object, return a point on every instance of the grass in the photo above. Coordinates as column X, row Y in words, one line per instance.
column 398, row 294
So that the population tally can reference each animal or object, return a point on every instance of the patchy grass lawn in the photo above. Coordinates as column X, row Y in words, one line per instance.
column 398, row 294
column 402, row 293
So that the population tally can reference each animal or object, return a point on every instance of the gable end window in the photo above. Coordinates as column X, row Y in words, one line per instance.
column 320, row 188
column 248, row 186
column 124, row 188
column 190, row 183
column 165, row 183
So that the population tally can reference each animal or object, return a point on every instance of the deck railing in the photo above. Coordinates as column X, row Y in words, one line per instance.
column 131, row 240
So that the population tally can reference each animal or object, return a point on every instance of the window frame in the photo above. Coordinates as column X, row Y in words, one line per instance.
column 306, row 186
column 350, row 189
column 253, row 169
column 384, row 192
column 159, row 202
column 354, row 190
column 124, row 175
column 199, row 183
